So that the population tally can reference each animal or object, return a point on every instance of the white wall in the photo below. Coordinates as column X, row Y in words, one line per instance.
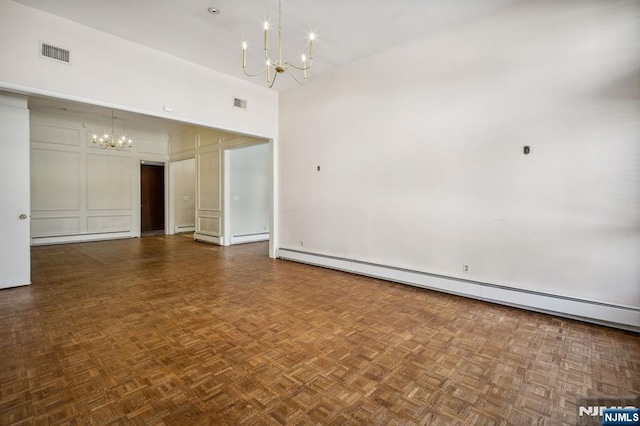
column 79, row 191
column 111, row 71
column 249, row 190
column 422, row 164
column 184, row 190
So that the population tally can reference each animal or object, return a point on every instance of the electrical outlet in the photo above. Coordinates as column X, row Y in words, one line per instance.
column 301, row 243
column 465, row 268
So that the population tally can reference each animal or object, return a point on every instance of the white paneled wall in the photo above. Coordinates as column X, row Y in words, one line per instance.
column 207, row 147
column 80, row 192
column 208, row 184
column 183, row 179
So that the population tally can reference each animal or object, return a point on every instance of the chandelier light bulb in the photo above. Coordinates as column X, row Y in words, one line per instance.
column 244, row 54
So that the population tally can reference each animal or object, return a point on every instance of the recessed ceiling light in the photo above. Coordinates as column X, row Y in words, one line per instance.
column 213, row 11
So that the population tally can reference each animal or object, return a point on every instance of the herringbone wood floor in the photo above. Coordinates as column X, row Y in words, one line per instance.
column 164, row 330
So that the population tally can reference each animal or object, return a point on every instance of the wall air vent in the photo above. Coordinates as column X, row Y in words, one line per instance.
column 240, row 103
column 56, row 53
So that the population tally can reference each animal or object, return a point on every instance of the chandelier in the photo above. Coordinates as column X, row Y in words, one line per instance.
column 279, row 66
column 110, row 140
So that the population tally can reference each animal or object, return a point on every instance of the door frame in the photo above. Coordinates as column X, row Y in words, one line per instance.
column 165, row 165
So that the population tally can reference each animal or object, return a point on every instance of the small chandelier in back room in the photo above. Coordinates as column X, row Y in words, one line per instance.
column 107, row 140
column 280, row 66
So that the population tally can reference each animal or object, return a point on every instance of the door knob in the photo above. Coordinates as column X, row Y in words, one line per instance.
column 23, row 216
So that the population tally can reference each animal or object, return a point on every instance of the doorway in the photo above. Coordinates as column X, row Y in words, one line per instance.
column 247, row 190
column 151, row 198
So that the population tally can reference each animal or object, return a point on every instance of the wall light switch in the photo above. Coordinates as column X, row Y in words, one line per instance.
column 168, row 108
column 185, row 198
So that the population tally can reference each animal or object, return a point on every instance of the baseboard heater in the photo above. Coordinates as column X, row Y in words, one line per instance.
column 249, row 238
column 80, row 238
column 603, row 313
column 182, row 229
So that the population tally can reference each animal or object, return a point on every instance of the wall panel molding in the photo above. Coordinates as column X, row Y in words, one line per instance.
column 208, row 150
column 55, row 134
column 109, row 182
column 108, row 223
column 209, row 225
column 81, row 192
column 55, row 180
column 46, row 226
column 209, row 180
column 149, row 146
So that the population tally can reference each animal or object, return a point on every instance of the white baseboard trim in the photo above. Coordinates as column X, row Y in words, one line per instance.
column 208, row 238
column 181, row 229
column 80, row 238
column 252, row 238
column 603, row 313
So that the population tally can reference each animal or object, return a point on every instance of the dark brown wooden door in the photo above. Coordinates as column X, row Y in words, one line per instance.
column 151, row 198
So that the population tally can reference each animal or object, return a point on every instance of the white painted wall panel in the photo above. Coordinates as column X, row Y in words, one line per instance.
column 182, row 140
column 82, row 191
column 109, row 223
column 184, row 189
column 55, row 134
column 209, row 181
column 148, row 146
column 55, row 179
column 109, row 182
column 209, row 225
column 50, row 226
column 209, row 137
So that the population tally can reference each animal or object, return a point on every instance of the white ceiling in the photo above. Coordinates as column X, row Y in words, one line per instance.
column 347, row 30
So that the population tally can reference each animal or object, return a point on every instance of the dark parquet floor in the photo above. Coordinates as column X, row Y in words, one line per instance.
column 166, row 331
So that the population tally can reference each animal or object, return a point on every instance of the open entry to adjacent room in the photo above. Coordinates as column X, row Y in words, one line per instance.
column 151, row 198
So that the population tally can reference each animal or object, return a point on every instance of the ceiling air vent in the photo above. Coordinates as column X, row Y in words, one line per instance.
column 53, row 52
column 240, row 103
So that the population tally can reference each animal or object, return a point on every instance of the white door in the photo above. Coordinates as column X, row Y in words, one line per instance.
column 15, row 257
